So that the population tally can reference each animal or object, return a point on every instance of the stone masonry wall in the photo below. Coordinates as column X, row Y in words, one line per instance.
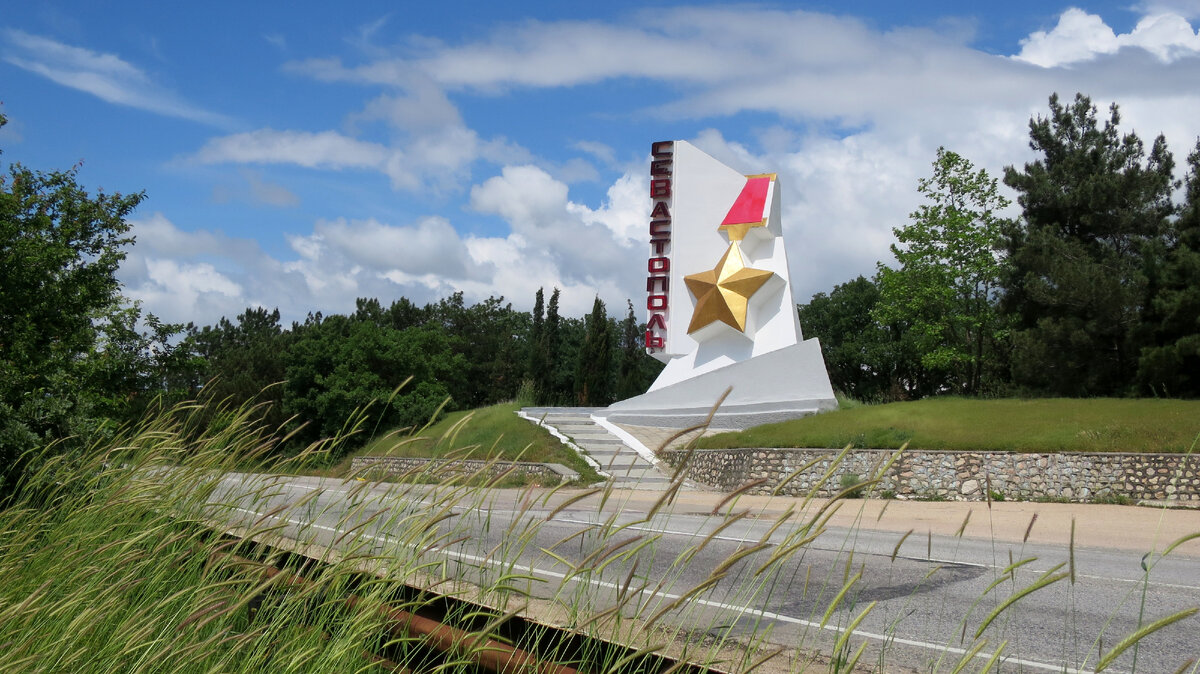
column 953, row 475
column 379, row 466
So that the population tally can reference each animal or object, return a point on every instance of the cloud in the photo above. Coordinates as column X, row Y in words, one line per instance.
column 552, row 241
column 430, row 246
column 585, row 248
column 600, row 151
column 257, row 191
column 105, row 76
column 271, row 194
column 848, row 115
column 420, row 106
column 326, row 149
column 1080, row 36
column 187, row 282
column 1189, row 9
column 833, row 72
column 199, row 276
column 430, row 147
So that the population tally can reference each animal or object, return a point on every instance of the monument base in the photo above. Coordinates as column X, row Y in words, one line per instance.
column 784, row 384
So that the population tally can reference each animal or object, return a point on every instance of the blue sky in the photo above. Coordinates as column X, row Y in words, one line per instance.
column 301, row 155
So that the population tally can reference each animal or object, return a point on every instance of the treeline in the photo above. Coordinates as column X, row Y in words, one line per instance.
column 1094, row 290
column 409, row 361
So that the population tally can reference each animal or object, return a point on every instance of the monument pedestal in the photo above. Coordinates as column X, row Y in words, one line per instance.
column 784, row 384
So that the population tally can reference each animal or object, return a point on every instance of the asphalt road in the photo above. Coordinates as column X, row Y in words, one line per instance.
column 916, row 600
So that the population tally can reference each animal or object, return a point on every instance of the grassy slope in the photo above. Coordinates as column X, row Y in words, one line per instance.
column 490, row 432
column 1042, row 425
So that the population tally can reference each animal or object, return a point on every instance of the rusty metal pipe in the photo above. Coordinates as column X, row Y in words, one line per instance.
column 493, row 655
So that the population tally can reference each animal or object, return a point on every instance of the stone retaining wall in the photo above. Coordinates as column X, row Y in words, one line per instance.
column 380, row 466
column 963, row 476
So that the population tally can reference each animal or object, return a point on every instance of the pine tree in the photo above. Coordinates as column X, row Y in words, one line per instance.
column 1082, row 259
column 1171, row 365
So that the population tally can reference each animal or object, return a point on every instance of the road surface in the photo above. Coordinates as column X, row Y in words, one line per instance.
column 786, row 571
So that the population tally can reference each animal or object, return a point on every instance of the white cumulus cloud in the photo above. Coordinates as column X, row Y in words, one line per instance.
column 1080, row 36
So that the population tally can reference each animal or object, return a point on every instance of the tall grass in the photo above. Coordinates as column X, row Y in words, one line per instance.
column 119, row 558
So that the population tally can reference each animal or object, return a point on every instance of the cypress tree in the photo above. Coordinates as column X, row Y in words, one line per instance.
column 549, row 388
column 536, row 365
column 629, row 381
column 593, row 370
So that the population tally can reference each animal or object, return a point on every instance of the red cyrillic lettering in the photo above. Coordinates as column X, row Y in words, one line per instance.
column 663, row 148
column 660, row 167
column 658, row 265
column 656, row 320
column 660, row 229
column 660, row 188
column 660, row 281
column 653, row 342
column 660, row 211
column 656, row 302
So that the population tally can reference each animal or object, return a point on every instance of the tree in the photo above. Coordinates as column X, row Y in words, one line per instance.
column 536, row 366
column 1170, row 365
column 246, row 361
column 629, row 378
column 593, row 370
column 130, row 367
column 338, row 366
column 867, row 360
column 548, row 380
column 59, row 252
column 1084, row 259
column 486, row 333
column 945, row 287
column 404, row 314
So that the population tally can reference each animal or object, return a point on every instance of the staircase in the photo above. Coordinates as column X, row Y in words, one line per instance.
column 626, row 468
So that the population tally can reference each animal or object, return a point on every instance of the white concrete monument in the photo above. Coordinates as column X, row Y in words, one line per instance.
column 719, row 299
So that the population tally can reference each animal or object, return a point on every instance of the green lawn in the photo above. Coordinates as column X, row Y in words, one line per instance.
column 1041, row 425
column 489, row 432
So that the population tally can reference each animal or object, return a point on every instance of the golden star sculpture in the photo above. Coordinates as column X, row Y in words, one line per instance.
column 722, row 294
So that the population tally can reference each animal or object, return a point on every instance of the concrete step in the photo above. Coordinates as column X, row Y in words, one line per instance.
column 625, row 466
column 598, row 443
column 648, row 477
column 591, row 433
column 617, row 464
column 629, row 472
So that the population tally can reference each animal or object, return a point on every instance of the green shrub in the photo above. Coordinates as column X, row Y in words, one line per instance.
column 851, row 481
